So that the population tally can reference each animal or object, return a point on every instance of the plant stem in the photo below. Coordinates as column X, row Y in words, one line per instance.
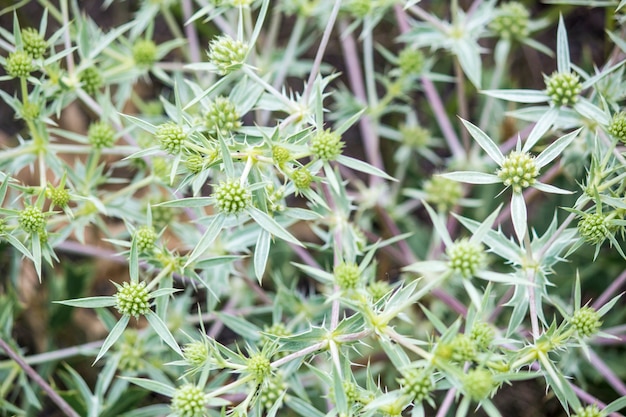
column 56, row 398
column 320, row 51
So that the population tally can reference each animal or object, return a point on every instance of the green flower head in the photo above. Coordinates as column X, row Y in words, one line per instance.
column 232, row 197
column 34, row 44
column 132, row 299
column 227, row 54
column 563, row 88
column 189, row 401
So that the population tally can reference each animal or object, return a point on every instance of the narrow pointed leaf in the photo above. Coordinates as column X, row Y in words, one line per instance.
column 161, row 329
column 269, row 224
column 261, row 254
column 473, row 177
column 555, row 149
column 485, row 142
column 209, row 236
column 518, row 215
column 363, row 166
column 562, row 48
column 519, row 96
column 89, row 302
column 542, row 126
column 115, row 334
column 153, row 386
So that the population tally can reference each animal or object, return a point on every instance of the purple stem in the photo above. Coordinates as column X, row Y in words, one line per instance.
column 190, row 30
column 54, row 396
column 366, row 125
column 607, row 373
column 608, row 293
column 433, row 97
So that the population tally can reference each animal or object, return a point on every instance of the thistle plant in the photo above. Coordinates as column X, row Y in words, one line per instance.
column 366, row 208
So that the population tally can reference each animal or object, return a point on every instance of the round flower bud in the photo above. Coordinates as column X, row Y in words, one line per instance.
column 101, row 135
column 222, row 116
column 594, row 228
column 411, row 61
column 586, row 321
column 19, row 64
column 463, row 348
column 358, row 8
column 194, row 163
column 30, row 110
column 162, row 216
column 189, row 401
column 32, row 220
column 589, row 411
column 443, row 192
column 326, row 145
column 563, row 88
column 277, row 329
column 466, row 258
column 518, row 171
column 3, row 226
column 227, row 54
column 146, row 238
column 271, row 390
column 60, row 196
column 131, row 352
column 617, row 127
column 144, row 53
column 259, row 366
column 478, row 384
column 34, row 44
column 482, row 334
column 196, row 353
column 280, row 155
column 171, row 137
column 511, row 21
column 347, row 275
column 352, row 392
column 378, row 289
column 232, row 197
column 415, row 136
column 417, row 384
column 132, row 299
column 90, row 80
column 302, row 178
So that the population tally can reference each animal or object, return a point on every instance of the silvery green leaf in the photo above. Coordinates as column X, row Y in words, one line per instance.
column 115, row 334
column 562, row 48
column 519, row 96
column 468, row 54
column 484, row 228
column 547, row 188
column 261, row 254
column 472, row 177
column 210, row 234
column 555, row 149
column 484, row 141
column 510, row 279
column 188, row 202
column 241, row 326
column 544, row 124
column 591, row 111
column 439, row 224
column 153, row 386
column 341, row 129
column 363, row 166
column 427, row 266
column 473, row 293
column 518, row 215
column 89, row 302
column 322, row 276
column 271, row 225
column 161, row 329
column 619, row 403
